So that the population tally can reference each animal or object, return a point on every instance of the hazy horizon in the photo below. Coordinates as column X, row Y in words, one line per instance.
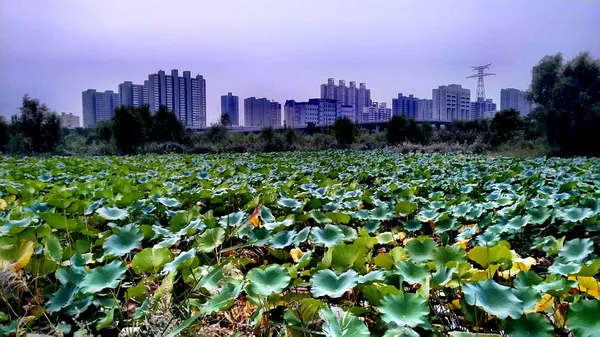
column 54, row 50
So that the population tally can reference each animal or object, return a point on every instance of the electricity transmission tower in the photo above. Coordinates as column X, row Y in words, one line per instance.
column 479, row 76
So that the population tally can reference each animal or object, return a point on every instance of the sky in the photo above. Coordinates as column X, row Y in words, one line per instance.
column 282, row 49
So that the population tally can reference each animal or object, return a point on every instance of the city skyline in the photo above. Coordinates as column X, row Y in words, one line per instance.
column 81, row 45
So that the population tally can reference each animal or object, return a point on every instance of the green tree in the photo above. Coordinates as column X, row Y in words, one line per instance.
column 225, row 120
column 3, row 134
column 104, row 131
column 397, row 130
column 38, row 127
column 568, row 98
column 505, row 126
column 131, row 128
column 166, row 127
column 344, row 131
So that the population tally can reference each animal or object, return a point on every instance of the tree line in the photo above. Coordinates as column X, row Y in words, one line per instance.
column 565, row 94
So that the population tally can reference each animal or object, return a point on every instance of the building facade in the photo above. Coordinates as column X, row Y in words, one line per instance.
column 451, row 102
column 230, row 106
column 319, row 111
column 185, row 96
column 68, row 120
column 98, row 106
column 405, row 105
column 261, row 112
column 135, row 95
column 352, row 96
column 511, row 98
column 425, row 110
column 482, row 109
column 376, row 112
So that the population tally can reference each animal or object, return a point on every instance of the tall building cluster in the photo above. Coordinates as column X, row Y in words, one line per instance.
column 451, row 102
column 407, row 106
column 68, row 120
column 356, row 97
column 376, row 112
column 317, row 111
column 230, row 107
column 511, row 98
column 185, row 96
column 98, row 106
column 261, row 112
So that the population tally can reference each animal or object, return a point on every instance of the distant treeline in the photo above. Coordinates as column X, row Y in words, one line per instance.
column 564, row 122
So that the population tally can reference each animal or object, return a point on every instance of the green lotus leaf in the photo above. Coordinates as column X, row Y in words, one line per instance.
column 302, row 236
column 289, row 203
column 484, row 255
column 405, row 207
column 15, row 226
column 320, row 217
column 100, row 278
column 590, row 268
column 127, row 238
column 329, row 236
column 224, row 299
column 151, row 260
column 170, row 202
column 210, row 239
column 174, row 265
column 530, row 325
column 411, row 272
column 52, row 248
column 373, row 293
column 527, row 279
column 371, row 226
column 384, row 238
column 62, row 297
column 272, row 279
column 576, row 250
column 420, row 250
column 488, row 238
column 339, row 217
column 112, row 213
column 472, row 334
column 538, row 216
column 401, row 332
column 413, row 225
column 495, row 299
column 443, row 275
column 381, row 213
column 529, row 296
column 516, row 224
column 75, row 274
column 232, row 219
column 348, row 232
column 555, row 285
column 282, row 239
column 575, row 214
column 344, row 255
column 442, row 255
column 338, row 323
column 408, row 310
column 564, row 268
column 326, row 282
column 376, row 275
column 266, row 215
column 583, row 318
column 58, row 221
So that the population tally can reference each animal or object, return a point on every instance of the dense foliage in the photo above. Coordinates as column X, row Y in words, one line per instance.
column 568, row 100
column 335, row 243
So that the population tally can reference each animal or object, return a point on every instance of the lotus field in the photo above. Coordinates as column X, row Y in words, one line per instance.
column 338, row 243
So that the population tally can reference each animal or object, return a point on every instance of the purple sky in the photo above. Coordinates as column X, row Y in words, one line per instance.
column 281, row 49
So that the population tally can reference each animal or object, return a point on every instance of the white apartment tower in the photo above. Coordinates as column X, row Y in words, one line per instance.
column 451, row 102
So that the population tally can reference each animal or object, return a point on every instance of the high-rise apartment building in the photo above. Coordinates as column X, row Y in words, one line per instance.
column 68, row 120
column 511, row 98
column 376, row 112
column 482, row 109
column 451, row 102
column 357, row 98
column 98, row 106
column 319, row 111
column 261, row 112
column 407, row 106
column 184, row 96
column 230, row 107
column 425, row 110
column 135, row 95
